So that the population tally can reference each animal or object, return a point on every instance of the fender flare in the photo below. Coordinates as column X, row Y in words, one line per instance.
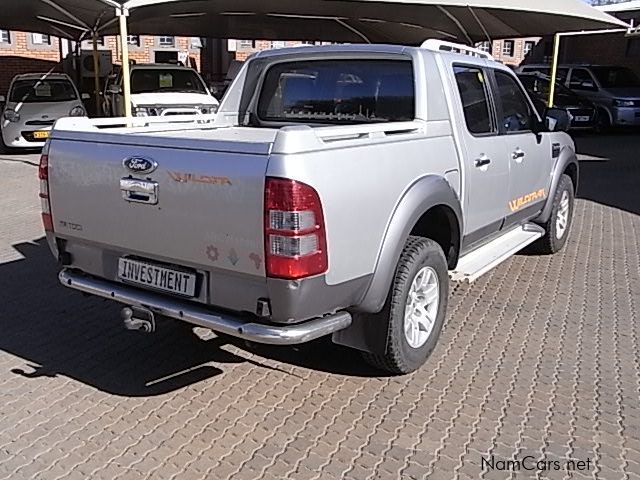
column 427, row 192
column 567, row 157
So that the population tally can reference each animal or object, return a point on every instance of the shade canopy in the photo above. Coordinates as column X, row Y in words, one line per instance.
column 380, row 21
column 628, row 11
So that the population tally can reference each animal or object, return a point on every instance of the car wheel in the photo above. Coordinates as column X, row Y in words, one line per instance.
column 3, row 147
column 415, row 307
column 603, row 122
column 559, row 223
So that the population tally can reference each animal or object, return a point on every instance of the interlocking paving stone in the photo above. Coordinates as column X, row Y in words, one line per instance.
column 539, row 357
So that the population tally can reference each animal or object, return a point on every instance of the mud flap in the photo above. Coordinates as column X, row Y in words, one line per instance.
column 367, row 332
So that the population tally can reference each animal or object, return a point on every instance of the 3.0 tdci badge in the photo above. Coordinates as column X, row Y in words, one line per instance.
column 139, row 164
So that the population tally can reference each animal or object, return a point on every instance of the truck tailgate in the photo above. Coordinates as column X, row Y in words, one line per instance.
column 199, row 207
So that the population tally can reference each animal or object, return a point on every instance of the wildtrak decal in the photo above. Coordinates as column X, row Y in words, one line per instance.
column 520, row 202
column 181, row 177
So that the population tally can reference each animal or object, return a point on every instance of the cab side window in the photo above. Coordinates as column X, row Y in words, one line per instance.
column 472, row 85
column 517, row 115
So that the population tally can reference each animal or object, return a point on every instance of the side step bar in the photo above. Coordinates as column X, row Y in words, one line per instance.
column 480, row 261
column 217, row 321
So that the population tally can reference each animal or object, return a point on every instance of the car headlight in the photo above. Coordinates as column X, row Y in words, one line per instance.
column 623, row 103
column 209, row 110
column 77, row 112
column 11, row 115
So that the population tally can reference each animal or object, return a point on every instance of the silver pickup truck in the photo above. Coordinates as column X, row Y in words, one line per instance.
column 337, row 191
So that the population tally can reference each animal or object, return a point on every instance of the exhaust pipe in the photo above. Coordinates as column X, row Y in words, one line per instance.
column 138, row 319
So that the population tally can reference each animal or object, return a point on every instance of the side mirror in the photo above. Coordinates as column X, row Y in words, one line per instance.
column 114, row 90
column 85, row 96
column 3, row 100
column 557, row 119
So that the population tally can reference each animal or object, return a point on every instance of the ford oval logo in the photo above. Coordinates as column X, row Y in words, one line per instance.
column 139, row 164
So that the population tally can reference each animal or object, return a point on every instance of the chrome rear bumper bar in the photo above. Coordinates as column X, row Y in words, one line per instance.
column 216, row 321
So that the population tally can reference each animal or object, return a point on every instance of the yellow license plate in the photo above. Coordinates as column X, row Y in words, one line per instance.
column 44, row 134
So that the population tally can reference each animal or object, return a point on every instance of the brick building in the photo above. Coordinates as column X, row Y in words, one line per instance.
column 22, row 52
column 508, row 51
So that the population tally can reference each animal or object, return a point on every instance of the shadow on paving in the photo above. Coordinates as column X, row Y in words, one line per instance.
column 61, row 332
column 612, row 173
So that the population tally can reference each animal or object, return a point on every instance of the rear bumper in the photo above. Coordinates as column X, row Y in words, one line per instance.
column 222, row 322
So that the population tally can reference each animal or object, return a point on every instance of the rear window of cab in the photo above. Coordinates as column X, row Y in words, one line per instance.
column 338, row 92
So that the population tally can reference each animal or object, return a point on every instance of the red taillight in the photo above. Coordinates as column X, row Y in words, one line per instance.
column 43, row 175
column 43, row 170
column 295, row 237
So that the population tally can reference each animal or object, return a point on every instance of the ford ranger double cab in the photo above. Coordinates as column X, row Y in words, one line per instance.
column 336, row 192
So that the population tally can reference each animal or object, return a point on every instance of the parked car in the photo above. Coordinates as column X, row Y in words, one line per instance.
column 33, row 104
column 614, row 90
column 160, row 90
column 334, row 194
column 583, row 112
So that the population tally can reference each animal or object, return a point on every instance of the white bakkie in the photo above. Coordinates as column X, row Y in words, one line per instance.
column 161, row 90
column 336, row 192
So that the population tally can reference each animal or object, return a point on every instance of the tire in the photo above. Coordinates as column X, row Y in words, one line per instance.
column 555, row 237
column 603, row 122
column 420, row 256
column 3, row 147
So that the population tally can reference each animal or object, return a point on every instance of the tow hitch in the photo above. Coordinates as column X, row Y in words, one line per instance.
column 138, row 319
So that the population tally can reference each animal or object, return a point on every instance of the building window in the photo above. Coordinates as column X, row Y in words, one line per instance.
column 40, row 39
column 247, row 44
column 134, row 40
column 5, row 36
column 528, row 46
column 485, row 46
column 166, row 41
column 508, row 46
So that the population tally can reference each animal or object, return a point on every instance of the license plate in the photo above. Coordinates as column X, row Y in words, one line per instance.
column 582, row 118
column 43, row 134
column 157, row 277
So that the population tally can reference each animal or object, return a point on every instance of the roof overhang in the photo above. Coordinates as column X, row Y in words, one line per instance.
column 382, row 21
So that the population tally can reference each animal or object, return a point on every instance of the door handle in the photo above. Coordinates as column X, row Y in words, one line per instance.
column 518, row 155
column 482, row 161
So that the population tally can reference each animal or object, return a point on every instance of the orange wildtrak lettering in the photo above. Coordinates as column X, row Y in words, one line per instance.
column 524, row 200
column 193, row 178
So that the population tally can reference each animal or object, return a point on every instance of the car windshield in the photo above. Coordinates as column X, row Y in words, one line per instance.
column 42, row 90
column 338, row 92
column 540, row 86
column 616, row 77
column 147, row 80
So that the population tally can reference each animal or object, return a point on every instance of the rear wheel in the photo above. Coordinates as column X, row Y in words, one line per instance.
column 416, row 307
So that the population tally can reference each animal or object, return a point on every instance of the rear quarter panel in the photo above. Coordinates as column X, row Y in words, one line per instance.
column 360, row 186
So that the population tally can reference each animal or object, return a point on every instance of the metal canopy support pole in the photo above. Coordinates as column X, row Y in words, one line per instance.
column 96, row 73
column 122, row 14
column 554, row 69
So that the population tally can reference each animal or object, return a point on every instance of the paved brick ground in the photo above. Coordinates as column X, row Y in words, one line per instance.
column 540, row 357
